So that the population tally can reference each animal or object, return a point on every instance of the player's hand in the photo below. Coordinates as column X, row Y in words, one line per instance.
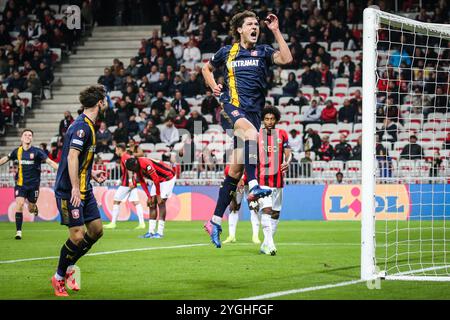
column 272, row 22
column 159, row 200
column 284, row 167
column 99, row 176
column 241, row 185
column 75, row 199
column 217, row 90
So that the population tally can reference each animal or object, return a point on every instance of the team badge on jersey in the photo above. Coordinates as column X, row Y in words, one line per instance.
column 81, row 133
column 235, row 113
column 31, row 156
column 75, row 213
column 254, row 53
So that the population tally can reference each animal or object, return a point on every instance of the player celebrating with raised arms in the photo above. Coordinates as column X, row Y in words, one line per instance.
column 242, row 98
column 28, row 176
column 73, row 190
column 126, row 190
column 274, row 158
column 163, row 177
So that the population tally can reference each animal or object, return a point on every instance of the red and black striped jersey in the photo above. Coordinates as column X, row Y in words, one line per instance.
column 155, row 170
column 123, row 169
column 271, row 146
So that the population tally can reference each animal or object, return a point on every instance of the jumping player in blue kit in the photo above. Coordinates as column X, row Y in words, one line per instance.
column 243, row 98
column 73, row 190
column 28, row 176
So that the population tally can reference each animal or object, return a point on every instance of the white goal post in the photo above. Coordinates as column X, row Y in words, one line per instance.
column 405, row 67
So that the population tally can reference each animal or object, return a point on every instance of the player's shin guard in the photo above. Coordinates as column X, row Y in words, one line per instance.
column 84, row 246
column 19, row 221
column 233, row 219
column 115, row 213
column 274, row 225
column 140, row 213
column 151, row 226
column 251, row 156
column 161, row 224
column 226, row 191
column 66, row 257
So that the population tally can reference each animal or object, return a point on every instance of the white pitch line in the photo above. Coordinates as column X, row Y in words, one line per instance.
column 109, row 252
column 301, row 290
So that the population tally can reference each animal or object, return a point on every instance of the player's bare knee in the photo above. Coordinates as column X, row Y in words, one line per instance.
column 77, row 235
column 19, row 205
column 267, row 211
column 116, row 203
column 236, row 171
column 275, row 215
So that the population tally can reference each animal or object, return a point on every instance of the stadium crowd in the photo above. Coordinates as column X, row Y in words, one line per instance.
column 34, row 36
column 162, row 90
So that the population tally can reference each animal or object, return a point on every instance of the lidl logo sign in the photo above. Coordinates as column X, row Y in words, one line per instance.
column 343, row 202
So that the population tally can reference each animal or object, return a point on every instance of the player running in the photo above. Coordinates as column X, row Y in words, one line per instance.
column 126, row 190
column 235, row 206
column 28, row 176
column 274, row 158
column 163, row 177
column 73, row 190
column 242, row 98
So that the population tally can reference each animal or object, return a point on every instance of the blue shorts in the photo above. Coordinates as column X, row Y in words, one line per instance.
column 230, row 114
column 77, row 216
column 31, row 194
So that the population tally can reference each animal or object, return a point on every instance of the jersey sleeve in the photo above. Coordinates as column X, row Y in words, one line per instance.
column 218, row 59
column 13, row 154
column 268, row 54
column 285, row 140
column 79, row 137
column 42, row 155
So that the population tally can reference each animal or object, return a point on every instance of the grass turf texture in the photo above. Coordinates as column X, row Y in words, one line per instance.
column 309, row 254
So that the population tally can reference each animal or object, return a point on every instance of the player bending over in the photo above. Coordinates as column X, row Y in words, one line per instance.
column 274, row 159
column 163, row 178
column 235, row 206
column 28, row 176
column 73, row 190
column 126, row 191
column 242, row 98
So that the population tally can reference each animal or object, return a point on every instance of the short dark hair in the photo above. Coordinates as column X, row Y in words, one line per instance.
column 121, row 146
column 271, row 110
column 132, row 164
column 339, row 174
column 238, row 20
column 27, row 130
column 90, row 96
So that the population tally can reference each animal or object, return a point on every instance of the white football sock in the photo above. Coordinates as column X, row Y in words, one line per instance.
column 217, row 220
column 255, row 222
column 267, row 229
column 161, row 224
column 115, row 213
column 233, row 219
column 140, row 213
column 58, row 277
column 274, row 225
column 151, row 225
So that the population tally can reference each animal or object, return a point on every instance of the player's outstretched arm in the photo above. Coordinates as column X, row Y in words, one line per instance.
column 4, row 160
column 52, row 163
column 208, row 75
column 283, row 56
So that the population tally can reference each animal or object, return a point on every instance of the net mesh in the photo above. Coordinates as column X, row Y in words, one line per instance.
column 412, row 148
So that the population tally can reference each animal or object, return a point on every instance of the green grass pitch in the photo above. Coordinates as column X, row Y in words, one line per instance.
column 310, row 254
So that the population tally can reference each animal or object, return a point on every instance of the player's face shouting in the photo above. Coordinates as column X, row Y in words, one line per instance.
column 27, row 137
column 250, row 30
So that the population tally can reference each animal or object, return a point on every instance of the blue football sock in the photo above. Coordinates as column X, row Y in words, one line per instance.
column 226, row 191
column 251, row 157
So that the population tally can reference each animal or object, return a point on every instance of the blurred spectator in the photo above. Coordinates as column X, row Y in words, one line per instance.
column 55, row 152
column 169, row 112
column 45, row 74
column 193, row 87
column 169, row 134
column 310, row 77
column 295, row 141
column 389, row 130
column 43, row 146
column 132, row 126
column 346, row 68
column 161, row 85
column 142, row 99
column 317, row 97
column 311, row 140
column 210, row 105
column 357, row 150
column 211, row 45
column 16, row 82
column 153, row 75
column 134, row 148
column 347, row 112
column 151, row 133
column 412, row 151
column 291, row 87
column 197, row 121
column 121, row 133
column 178, row 50
column 65, row 123
column 132, row 68
column 104, row 138
column 339, row 177
column 145, row 67
column 300, row 100
column 191, row 54
column 312, row 114
column 325, row 151
column 306, row 161
column 326, row 77
column 180, row 121
column 158, row 104
column 107, row 79
column 329, row 113
column 179, row 103
column 33, row 84
column 436, row 163
column 342, row 150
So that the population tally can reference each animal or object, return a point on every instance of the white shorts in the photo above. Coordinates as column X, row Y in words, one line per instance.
column 273, row 201
column 123, row 193
column 166, row 188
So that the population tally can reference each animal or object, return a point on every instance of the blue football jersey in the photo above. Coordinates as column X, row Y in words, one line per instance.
column 245, row 73
column 80, row 136
column 28, row 166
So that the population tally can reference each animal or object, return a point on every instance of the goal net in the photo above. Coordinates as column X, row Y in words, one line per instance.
column 406, row 144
